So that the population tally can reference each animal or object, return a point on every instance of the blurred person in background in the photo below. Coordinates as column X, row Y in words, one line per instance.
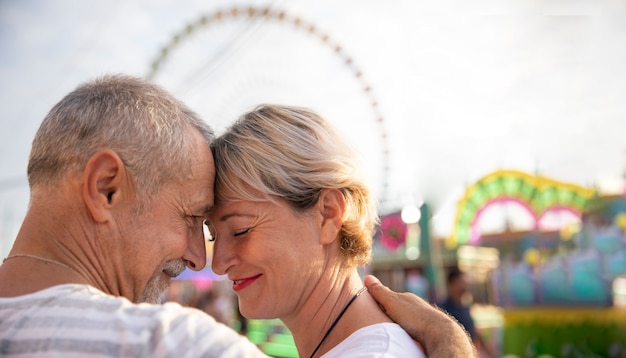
column 121, row 180
column 217, row 304
column 458, row 304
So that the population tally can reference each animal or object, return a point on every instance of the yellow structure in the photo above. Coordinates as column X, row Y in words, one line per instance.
column 537, row 193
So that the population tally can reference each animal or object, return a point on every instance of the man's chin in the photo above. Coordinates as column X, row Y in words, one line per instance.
column 155, row 289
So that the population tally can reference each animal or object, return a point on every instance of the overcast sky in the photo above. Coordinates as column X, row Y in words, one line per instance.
column 464, row 88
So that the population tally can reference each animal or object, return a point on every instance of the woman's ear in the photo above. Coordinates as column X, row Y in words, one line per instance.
column 332, row 205
column 104, row 177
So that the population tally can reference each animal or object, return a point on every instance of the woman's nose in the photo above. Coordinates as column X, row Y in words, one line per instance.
column 223, row 256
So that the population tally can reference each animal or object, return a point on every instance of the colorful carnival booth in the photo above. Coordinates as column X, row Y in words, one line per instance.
column 561, row 285
column 553, row 287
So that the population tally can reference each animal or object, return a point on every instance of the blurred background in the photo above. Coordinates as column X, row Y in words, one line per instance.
column 492, row 132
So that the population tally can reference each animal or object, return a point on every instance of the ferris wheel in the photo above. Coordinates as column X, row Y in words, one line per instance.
column 230, row 60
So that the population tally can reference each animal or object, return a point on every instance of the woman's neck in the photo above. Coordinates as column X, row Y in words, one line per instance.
column 309, row 325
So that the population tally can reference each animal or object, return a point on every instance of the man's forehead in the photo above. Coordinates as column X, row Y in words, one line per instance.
column 199, row 186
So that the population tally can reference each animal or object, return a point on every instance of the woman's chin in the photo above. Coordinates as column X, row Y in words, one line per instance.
column 253, row 314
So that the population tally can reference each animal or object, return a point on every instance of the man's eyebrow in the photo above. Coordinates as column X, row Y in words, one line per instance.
column 205, row 210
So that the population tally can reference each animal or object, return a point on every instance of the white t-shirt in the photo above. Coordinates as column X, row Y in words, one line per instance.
column 382, row 340
column 80, row 321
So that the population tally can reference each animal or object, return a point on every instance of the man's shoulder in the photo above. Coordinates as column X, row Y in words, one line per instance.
column 71, row 301
column 62, row 316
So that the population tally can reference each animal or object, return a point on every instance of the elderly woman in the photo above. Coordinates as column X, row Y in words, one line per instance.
column 293, row 220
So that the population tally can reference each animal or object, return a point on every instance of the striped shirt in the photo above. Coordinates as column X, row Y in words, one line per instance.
column 80, row 321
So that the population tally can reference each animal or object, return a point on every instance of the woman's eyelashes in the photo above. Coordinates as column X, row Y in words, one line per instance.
column 242, row 232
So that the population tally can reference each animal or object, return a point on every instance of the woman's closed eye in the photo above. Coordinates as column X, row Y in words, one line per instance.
column 242, row 232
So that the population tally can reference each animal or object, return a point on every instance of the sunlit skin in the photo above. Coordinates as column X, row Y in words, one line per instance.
column 112, row 242
column 268, row 252
column 159, row 243
column 288, row 265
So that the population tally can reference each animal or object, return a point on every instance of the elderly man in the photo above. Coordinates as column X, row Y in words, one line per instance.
column 121, row 178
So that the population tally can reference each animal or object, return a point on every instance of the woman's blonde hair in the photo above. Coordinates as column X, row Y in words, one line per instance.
column 293, row 154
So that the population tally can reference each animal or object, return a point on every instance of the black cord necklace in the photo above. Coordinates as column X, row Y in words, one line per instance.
column 337, row 319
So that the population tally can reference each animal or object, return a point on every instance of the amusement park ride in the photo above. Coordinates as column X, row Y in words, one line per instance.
column 224, row 82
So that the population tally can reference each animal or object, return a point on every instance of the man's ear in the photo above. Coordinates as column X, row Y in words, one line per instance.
column 104, row 177
column 332, row 205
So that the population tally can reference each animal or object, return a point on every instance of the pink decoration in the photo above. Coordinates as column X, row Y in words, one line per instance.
column 393, row 231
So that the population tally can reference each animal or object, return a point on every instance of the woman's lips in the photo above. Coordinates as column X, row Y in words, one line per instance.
column 241, row 283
